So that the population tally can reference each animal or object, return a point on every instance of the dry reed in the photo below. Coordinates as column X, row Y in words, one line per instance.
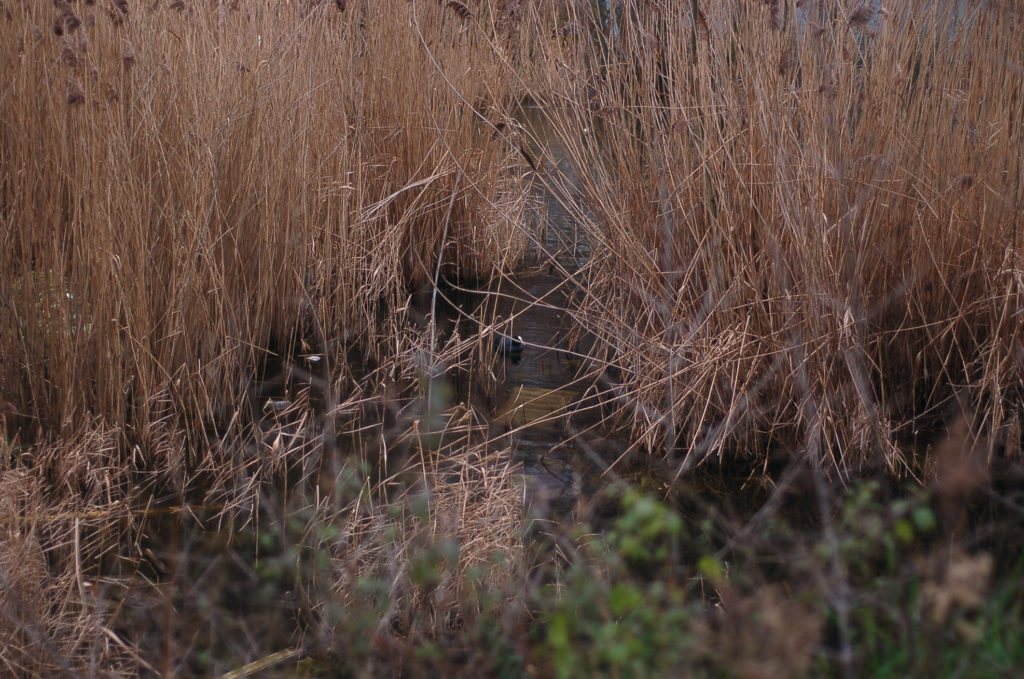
column 805, row 230
column 804, row 236
column 192, row 197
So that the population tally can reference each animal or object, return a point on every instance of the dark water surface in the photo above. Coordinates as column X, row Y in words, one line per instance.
column 541, row 404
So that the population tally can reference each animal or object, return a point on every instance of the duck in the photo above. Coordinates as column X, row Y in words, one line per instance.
column 509, row 346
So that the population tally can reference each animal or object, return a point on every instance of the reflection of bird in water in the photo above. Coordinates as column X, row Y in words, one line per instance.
column 510, row 347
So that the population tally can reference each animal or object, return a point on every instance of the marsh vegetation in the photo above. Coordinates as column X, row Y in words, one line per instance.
column 265, row 264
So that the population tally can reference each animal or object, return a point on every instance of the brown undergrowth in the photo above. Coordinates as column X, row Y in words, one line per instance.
column 805, row 224
column 230, row 444
column 207, row 210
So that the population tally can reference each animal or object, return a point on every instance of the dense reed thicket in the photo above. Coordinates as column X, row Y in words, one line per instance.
column 181, row 185
column 192, row 195
column 806, row 223
column 231, row 442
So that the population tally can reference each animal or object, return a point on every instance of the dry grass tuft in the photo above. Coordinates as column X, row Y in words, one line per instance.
column 22, row 572
column 52, row 546
column 454, row 531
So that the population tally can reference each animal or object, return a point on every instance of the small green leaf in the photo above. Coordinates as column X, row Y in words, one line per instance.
column 924, row 519
column 558, row 630
column 623, row 598
column 904, row 531
column 711, row 568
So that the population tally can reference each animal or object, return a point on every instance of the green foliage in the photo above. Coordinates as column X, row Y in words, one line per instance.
column 626, row 605
column 647, row 532
column 428, row 564
column 920, row 609
column 874, row 535
column 608, row 618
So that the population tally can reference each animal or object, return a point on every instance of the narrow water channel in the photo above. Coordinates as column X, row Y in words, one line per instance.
column 541, row 405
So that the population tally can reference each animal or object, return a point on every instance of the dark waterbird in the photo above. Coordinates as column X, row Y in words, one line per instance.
column 510, row 347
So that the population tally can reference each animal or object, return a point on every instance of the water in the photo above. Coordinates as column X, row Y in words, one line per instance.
column 537, row 405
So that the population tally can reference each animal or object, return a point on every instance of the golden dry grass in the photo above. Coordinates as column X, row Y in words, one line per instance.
column 192, row 195
column 804, row 237
column 180, row 187
column 805, row 231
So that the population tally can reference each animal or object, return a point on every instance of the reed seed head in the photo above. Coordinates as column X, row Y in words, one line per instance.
column 68, row 55
column 459, row 8
column 76, row 95
column 861, row 17
column 129, row 55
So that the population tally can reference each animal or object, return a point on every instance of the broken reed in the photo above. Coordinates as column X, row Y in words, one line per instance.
column 183, row 184
column 805, row 224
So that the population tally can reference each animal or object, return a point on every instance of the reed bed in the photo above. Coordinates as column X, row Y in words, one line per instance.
column 195, row 198
column 182, row 185
column 805, row 222
column 230, row 442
